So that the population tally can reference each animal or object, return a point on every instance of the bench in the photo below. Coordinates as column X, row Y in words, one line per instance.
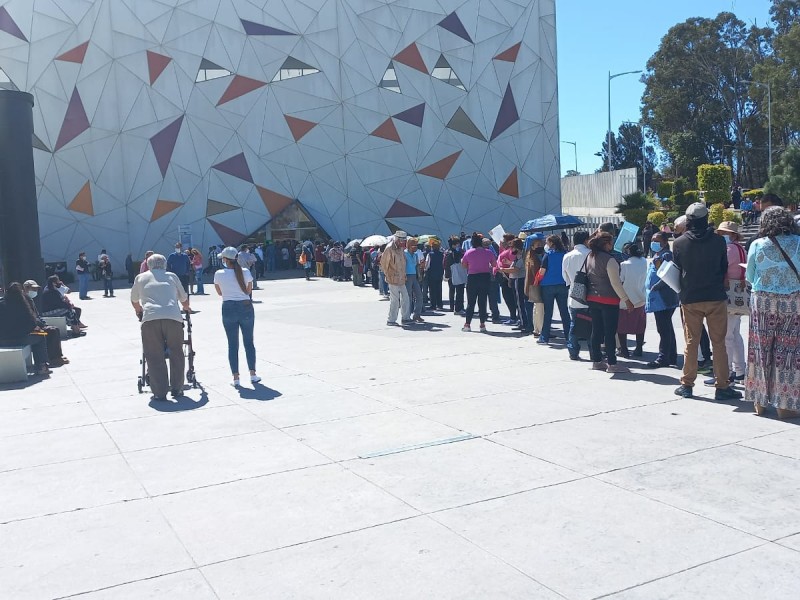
column 15, row 362
column 60, row 322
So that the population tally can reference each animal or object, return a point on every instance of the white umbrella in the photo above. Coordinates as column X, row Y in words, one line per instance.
column 374, row 240
column 352, row 243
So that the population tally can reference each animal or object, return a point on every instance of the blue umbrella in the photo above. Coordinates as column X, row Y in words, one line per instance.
column 551, row 222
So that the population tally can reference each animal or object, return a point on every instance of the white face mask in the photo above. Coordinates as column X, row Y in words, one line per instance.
column 32, row 294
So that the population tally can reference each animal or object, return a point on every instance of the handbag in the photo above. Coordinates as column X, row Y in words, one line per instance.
column 458, row 274
column 580, row 284
column 738, row 296
column 583, row 324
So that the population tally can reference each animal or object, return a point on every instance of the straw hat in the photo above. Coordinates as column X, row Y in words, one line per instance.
column 729, row 227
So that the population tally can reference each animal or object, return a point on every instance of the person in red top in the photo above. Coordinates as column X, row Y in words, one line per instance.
column 480, row 263
column 319, row 259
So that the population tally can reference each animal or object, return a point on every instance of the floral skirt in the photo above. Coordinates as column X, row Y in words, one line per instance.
column 773, row 355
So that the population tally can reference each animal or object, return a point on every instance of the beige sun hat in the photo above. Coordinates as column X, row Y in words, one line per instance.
column 729, row 227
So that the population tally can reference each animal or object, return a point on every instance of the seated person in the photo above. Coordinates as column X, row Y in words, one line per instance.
column 18, row 327
column 747, row 211
column 54, row 354
column 55, row 304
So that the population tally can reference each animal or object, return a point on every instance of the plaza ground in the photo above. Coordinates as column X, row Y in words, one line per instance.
column 381, row 463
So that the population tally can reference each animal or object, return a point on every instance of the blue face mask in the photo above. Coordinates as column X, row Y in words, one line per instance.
column 727, row 239
column 655, row 246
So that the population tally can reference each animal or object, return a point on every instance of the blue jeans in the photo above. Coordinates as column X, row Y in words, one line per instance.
column 83, row 285
column 108, row 286
column 198, row 279
column 414, row 295
column 573, row 344
column 559, row 294
column 383, row 287
column 526, row 323
column 236, row 315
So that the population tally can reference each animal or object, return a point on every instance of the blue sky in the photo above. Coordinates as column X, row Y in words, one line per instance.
column 595, row 37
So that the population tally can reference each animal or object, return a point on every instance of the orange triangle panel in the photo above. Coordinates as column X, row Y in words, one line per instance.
column 76, row 55
column 441, row 169
column 511, row 185
column 509, row 55
column 156, row 63
column 411, row 57
column 240, row 86
column 82, row 203
column 229, row 237
column 299, row 127
column 274, row 202
column 162, row 208
column 387, row 131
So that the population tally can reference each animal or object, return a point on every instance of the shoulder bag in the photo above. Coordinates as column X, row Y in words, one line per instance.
column 738, row 296
column 580, row 284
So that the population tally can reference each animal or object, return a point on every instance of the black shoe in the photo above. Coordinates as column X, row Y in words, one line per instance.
column 637, row 352
column 685, row 391
column 176, row 394
column 727, row 394
column 574, row 357
column 654, row 364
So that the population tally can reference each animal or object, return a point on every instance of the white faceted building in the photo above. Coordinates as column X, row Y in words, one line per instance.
column 220, row 118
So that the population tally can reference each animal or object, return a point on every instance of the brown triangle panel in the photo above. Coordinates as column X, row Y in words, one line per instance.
column 401, row 209
column 387, row 131
column 274, row 202
column 511, row 54
column 411, row 57
column 76, row 55
column 441, row 168
column 156, row 63
column 240, row 86
column 299, row 127
column 163, row 207
column 511, row 185
column 213, row 207
column 229, row 237
column 82, row 202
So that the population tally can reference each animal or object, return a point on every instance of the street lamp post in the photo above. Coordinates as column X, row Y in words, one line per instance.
column 575, row 146
column 608, row 137
column 769, row 117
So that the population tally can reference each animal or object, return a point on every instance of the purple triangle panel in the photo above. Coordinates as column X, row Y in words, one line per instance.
column 75, row 121
column 236, row 166
column 412, row 116
column 9, row 25
column 454, row 25
column 163, row 144
column 508, row 114
column 252, row 28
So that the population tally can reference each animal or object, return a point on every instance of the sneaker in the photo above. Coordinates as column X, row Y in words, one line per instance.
column 711, row 382
column 735, row 377
column 654, row 364
column 466, row 328
column 407, row 321
column 392, row 323
column 496, row 320
column 176, row 394
column 419, row 320
column 684, row 391
column 727, row 394
column 235, row 383
column 254, row 378
column 483, row 329
column 637, row 352
column 617, row 369
column 542, row 341
column 574, row 357
column 511, row 322
column 599, row 366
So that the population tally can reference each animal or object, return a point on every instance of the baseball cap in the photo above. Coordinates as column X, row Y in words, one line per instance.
column 230, row 253
column 31, row 284
column 698, row 210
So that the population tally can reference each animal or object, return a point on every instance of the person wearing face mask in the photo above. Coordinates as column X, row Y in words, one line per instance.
column 554, row 288
column 19, row 327
column 516, row 277
column 534, row 304
column 455, row 275
column 633, row 274
column 661, row 300
column 55, row 355
column 735, row 278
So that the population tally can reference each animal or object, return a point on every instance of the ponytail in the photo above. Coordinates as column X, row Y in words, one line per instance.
column 237, row 269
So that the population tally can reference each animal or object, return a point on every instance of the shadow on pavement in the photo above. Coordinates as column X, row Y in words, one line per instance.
column 259, row 392
column 180, row 404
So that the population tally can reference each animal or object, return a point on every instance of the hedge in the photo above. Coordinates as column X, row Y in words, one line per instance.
column 714, row 178
column 716, row 214
column 637, row 216
column 732, row 215
column 665, row 189
column 657, row 218
column 715, row 196
column 753, row 194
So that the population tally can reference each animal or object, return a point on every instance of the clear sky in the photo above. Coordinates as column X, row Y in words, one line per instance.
column 595, row 37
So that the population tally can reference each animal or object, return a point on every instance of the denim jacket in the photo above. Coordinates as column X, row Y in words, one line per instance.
column 659, row 296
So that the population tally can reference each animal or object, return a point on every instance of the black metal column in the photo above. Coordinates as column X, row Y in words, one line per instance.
column 20, row 248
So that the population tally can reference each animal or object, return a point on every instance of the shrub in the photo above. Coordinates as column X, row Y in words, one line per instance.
column 732, row 215
column 657, row 218
column 679, row 186
column 716, row 214
column 716, row 196
column 665, row 189
column 672, row 215
column 753, row 194
column 637, row 216
column 634, row 201
column 714, row 178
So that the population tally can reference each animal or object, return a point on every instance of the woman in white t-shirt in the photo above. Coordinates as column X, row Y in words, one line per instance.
column 235, row 285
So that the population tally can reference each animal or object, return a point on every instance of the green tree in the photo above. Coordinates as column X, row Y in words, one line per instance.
column 785, row 14
column 785, row 178
column 696, row 97
column 626, row 153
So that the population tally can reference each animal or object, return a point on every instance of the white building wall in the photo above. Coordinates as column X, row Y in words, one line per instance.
column 597, row 194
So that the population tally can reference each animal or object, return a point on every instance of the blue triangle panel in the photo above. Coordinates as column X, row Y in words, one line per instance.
column 251, row 28
column 508, row 114
column 454, row 25
column 412, row 116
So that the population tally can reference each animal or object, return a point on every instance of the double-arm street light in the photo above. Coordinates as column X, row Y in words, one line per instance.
column 769, row 116
column 610, row 77
column 575, row 145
